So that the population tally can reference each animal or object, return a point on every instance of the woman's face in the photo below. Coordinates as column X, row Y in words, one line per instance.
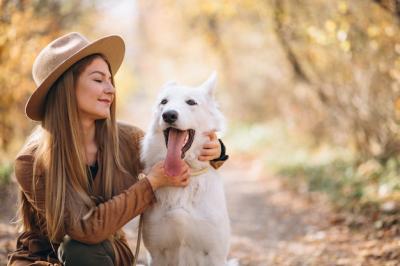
column 94, row 91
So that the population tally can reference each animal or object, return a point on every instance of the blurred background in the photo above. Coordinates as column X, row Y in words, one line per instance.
column 310, row 90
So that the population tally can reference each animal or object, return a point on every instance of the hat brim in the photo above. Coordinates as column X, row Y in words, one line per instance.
column 112, row 47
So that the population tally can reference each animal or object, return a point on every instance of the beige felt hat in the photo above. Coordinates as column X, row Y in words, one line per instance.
column 60, row 55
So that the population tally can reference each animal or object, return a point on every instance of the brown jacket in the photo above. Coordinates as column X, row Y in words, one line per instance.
column 34, row 248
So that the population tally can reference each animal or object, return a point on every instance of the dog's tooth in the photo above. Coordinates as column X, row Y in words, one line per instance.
column 187, row 137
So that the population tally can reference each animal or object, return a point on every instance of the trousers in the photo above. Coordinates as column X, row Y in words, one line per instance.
column 75, row 253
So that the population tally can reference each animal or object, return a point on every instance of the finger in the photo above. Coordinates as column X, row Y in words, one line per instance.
column 184, row 168
column 210, row 152
column 184, row 175
column 211, row 134
column 185, row 182
column 206, row 158
column 177, row 181
column 184, row 164
column 185, row 172
column 180, row 181
column 187, row 175
column 211, row 145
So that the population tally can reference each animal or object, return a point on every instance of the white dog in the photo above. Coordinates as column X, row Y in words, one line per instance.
column 186, row 226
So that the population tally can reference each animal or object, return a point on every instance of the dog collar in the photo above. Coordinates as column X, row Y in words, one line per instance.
column 196, row 172
column 193, row 172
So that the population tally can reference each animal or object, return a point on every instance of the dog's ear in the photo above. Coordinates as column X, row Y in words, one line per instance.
column 210, row 83
column 169, row 83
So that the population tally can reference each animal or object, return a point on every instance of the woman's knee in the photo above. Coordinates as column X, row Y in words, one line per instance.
column 72, row 252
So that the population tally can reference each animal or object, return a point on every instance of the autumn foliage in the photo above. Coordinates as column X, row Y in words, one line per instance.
column 332, row 68
column 25, row 28
column 329, row 70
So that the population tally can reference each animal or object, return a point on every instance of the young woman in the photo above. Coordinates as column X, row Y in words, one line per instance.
column 78, row 172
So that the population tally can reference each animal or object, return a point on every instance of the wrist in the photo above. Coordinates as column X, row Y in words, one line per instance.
column 155, row 184
column 223, row 156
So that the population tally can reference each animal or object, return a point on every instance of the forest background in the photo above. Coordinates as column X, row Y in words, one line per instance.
column 311, row 88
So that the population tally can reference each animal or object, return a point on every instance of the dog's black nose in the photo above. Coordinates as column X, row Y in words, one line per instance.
column 170, row 116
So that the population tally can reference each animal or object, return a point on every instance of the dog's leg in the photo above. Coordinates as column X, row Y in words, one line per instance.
column 157, row 259
column 215, row 260
column 168, row 257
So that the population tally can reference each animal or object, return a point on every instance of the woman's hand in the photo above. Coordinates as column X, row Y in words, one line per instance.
column 211, row 149
column 158, row 178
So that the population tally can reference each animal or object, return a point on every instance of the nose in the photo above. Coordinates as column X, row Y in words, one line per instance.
column 170, row 116
column 109, row 88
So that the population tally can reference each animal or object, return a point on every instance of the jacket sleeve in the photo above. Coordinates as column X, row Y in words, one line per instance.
column 104, row 219
column 108, row 217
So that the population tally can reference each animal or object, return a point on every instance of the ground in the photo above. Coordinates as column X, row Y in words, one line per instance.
column 274, row 225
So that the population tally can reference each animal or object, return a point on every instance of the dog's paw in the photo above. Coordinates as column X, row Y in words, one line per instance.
column 233, row 262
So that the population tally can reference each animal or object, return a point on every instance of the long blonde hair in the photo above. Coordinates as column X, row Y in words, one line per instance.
column 61, row 155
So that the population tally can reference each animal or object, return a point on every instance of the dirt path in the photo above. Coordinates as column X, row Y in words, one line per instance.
column 258, row 224
column 264, row 216
column 272, row 225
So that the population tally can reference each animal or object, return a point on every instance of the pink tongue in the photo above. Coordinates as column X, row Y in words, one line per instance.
column 173, row 162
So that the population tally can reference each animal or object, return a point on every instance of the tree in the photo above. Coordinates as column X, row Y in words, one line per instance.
column 25, row 28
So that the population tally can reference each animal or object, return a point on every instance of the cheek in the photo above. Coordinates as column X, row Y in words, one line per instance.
column 84, row 98
column 87, row 96
column 203, row 120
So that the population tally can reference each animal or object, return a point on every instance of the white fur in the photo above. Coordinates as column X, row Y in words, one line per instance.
column 187, row 226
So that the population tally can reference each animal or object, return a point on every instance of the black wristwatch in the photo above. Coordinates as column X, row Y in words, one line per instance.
column 223, row 156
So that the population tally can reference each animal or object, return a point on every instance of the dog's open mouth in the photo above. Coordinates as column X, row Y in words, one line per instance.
column 178, row 143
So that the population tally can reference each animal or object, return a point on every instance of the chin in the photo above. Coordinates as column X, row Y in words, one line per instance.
column 100, row 116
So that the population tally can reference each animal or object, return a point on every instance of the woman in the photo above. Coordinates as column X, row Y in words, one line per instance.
column 78, row 172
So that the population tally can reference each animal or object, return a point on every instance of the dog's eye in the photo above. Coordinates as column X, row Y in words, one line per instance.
column 191, row 102
column 164, row 101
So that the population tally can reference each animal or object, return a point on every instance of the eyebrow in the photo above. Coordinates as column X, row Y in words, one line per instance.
column 99, row 72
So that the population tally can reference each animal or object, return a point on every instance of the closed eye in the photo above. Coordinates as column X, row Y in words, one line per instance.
column 191, row 102
column 98, row 80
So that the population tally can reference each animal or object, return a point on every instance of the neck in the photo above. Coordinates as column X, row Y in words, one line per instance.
column 196, row 172
column 194, row 163
column 197, row 167
column 89, row 130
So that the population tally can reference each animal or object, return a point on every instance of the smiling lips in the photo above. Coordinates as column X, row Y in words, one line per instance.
column 107, row 101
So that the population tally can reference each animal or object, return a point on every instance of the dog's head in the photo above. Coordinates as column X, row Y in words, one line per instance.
column 183, row 115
